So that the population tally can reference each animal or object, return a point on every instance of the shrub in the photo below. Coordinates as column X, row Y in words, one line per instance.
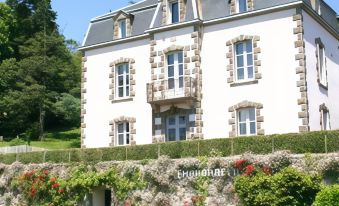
column 16, row 142
column 40, row 188
column 312, row 142
column 288, row 187
column 329, row 196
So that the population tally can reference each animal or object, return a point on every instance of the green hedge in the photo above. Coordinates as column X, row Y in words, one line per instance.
column 312, row 142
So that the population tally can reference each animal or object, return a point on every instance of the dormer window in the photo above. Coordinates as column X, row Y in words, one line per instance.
column 122, row 25
column 122, row 28
column 174, row 11
column 241, row 6
column 316, row 6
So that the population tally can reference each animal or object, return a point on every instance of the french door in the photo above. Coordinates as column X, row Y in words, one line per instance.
column 175, row 73
column 176, row 128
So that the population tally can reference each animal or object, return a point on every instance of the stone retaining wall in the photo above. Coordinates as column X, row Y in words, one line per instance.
column 166, row 188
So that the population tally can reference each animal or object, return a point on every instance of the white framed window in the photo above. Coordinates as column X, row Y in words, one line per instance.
column 244, row 61
column 122, row 28
column 122, row 81
column 246, row 122
column 176, row 128
column 325, row 118
column 123, row 134
column 174, row 12
column 241, row 6
column 175, row 71
column 322, row 70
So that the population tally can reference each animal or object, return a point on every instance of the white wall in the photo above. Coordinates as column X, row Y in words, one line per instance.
column 100, row 110
column 276, row 90
column 316, row 94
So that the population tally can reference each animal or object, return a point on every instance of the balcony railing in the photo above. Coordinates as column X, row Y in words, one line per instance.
column 171, row 90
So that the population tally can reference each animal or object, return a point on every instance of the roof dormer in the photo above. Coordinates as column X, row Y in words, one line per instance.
column 240, row 6
column 122, row 25
column 173, row 11
column 316, row 6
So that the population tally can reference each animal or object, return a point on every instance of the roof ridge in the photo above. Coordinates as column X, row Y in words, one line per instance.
column 112, row 13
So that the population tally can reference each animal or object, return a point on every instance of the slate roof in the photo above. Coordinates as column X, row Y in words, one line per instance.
column 101, row 28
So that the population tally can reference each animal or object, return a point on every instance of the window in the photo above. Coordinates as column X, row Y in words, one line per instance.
column 123, row 134
column 176, row 128
column 174, row 11
column 322, row 70
column 175, row 71
column 325, row 120
column 241, row 6
column 247, row 122
column 244, row 60
column 122, row 80
column 122, row 28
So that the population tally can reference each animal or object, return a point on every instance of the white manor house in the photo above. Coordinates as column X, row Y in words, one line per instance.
column 173, row 70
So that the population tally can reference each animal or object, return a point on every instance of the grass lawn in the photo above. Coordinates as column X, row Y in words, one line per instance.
column 56, row 139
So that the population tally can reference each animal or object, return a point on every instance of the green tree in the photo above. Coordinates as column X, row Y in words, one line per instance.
column 42, row 72
column 31, row 16
column 7, row 23
column 68, row 107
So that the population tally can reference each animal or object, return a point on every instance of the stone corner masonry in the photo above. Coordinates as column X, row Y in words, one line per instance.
column 300, row 57
column 83, row 100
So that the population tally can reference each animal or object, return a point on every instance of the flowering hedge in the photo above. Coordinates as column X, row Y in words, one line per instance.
column 41, row 188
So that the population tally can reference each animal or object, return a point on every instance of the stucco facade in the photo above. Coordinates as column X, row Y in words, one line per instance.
column 208, row 75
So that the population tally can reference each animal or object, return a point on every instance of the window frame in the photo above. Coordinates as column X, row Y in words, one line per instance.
column 126, row 133
column 122, row 28
column 247, row 122
column 238, row 6
column 321, row 63
column 325, row 121
column 170, row 11
column 177, row 126
column 245, row 61
column 177, row 77
column 126, row 86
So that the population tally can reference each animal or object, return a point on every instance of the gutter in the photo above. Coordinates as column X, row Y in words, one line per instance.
column 173, row 26
column 113, row 42
column 320, row 20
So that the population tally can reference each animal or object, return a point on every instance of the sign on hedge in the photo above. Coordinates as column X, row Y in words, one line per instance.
column 217, row 172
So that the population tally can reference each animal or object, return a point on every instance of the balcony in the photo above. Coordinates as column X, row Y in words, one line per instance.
column 171, row 90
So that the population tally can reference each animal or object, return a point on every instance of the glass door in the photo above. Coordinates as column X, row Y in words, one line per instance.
column 175, row 73
column 176, row 128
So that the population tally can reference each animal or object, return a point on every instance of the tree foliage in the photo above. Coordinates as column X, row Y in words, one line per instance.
column 7, row 23
column 39, row 75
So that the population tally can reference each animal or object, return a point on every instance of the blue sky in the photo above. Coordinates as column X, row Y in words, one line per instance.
column 74, row 15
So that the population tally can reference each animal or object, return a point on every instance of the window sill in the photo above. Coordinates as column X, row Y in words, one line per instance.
column 129, row 99
column 323, row 85
column 244, row 83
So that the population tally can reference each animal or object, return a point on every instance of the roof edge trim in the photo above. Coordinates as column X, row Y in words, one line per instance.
column 103, row 17
column 109, row 43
